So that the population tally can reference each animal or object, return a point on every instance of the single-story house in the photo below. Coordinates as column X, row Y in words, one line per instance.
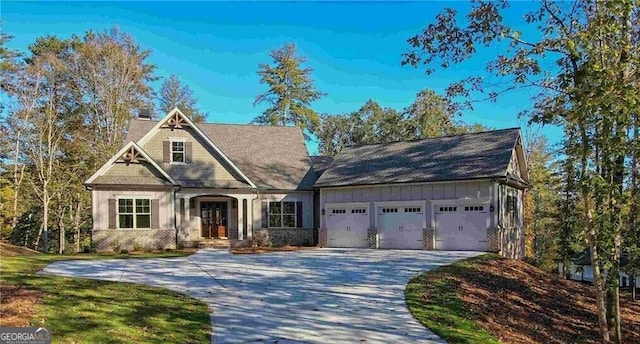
column 582, row 270
column 177, row 183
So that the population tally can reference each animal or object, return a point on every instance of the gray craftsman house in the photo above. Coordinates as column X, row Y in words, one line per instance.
column 176, row 183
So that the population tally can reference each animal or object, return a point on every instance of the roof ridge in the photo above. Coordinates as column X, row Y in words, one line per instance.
column 431, row 138
column 227, row 124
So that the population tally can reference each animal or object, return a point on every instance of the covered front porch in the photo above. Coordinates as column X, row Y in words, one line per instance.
column 213, row 215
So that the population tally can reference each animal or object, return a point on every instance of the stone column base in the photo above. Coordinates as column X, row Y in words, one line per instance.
column 428, row 237
column 372, row 235
column 322, row 237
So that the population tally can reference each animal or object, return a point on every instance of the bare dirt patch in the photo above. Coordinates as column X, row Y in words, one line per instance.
column 259, row 250
column 519, row 303
column 17, row 305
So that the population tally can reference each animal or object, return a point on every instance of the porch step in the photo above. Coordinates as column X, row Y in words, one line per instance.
column 215, row 243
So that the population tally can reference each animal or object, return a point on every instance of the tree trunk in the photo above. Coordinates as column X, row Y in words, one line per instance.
column 45, row 222
column 633, row 287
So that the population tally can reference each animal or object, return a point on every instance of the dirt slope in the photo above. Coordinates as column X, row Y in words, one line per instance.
column 8, row 250
column 519, row 303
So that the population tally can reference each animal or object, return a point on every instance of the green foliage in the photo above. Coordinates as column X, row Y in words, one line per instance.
column 90, row 311
column 591, row 91
column 173, row 93
column 542, row 220
column 290, row 91
column 429, row 116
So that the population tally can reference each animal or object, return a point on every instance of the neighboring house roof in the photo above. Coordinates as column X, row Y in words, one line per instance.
column 271, row 157
column 468, row 156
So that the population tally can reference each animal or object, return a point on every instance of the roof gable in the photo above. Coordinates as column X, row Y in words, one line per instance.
column 144, row 170
column 468, row 156
column 273, row 157
column 176, row 119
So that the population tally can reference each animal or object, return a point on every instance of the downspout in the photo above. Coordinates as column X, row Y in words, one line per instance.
column 252, row 213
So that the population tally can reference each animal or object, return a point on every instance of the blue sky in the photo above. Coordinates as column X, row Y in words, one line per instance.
column 215, row 47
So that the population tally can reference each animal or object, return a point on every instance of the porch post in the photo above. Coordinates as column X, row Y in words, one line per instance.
column 241, row 216
column 187, row 216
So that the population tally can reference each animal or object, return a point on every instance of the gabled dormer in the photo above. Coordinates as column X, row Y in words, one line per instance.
column 189, row 156
column 131, row 166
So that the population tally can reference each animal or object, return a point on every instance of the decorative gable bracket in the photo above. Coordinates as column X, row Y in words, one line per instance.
column 175, row 121
column 131, row 156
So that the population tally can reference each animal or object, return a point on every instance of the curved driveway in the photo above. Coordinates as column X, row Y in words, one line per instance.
column 312, row 296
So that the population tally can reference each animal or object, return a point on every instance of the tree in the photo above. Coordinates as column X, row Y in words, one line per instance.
column 432, row 115
column 290, row 91
column 594, row 49
column 541, row 220
column 173, row 93
column 113, row 75
column 429, row 116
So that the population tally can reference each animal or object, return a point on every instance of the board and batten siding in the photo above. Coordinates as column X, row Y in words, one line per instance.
column 414, row 192
column 100, row 199
column 306, row 197
column 205, row 162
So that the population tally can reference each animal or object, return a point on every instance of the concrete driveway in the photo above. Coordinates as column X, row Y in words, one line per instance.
column 314, row 296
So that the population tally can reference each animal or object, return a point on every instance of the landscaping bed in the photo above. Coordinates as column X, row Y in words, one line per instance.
column 80, row 310
column 489, row 299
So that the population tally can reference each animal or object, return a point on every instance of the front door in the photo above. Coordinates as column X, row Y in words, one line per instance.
column 213, row 219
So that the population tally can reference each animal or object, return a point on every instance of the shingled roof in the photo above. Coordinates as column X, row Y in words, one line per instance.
column 271, row 157
column 460, row 157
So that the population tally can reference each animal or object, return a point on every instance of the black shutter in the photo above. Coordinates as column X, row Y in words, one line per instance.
column 299, row 223
column 265, row 215
column 112, row 214
column 188, row 149
column 155, row 213
column 166, row 151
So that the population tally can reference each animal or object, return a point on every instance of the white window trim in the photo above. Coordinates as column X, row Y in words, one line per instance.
column 295, row 211
column 184, row 150
column 134, row 198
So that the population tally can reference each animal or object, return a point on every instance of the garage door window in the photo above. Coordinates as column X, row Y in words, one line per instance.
column 359, row 211
column 413, row 210
column 474, row 208
column 338, row 211
column 447, row 209
column 389, row 210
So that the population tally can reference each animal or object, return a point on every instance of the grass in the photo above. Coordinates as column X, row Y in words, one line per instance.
column 89, row 311
column 489, row 298
column 433, row 300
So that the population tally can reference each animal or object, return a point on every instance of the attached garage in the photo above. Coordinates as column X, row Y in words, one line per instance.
column 400, row 226
column 461, row 192
column 347, row 225
column 461, row 227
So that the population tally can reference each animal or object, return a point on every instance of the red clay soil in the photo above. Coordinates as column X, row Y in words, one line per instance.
column 258, row 250
column 17, row 305
column 519, row 303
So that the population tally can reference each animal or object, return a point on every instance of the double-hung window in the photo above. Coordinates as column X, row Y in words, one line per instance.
column 177, row 151
column 134, row 213
column 282, row 214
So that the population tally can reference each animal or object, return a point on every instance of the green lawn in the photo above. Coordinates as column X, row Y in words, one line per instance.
column 433, row 300
column 88, row 311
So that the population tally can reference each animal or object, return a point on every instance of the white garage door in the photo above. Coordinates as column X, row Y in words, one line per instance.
column 400, row 227
column 347, row 227
column 462, row 227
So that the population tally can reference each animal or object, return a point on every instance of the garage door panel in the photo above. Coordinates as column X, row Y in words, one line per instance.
column 401, row 227
column 462, row 227
column 347, row 227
